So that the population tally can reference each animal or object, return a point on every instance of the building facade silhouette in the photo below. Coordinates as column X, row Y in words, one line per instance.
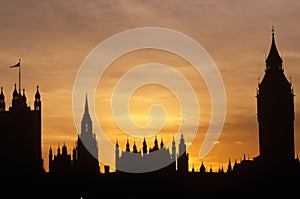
column 152, row 159
column 84, row 158
column 275, row 112
column 274, row 171
column 183, row 157
column 20, row 151
column 275, row 116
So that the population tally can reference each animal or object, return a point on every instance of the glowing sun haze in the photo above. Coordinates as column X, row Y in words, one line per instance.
column 53, row 38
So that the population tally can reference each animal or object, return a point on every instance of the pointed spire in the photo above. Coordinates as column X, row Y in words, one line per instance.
column 2, row 101
column 37, row 94
column 182, row 146
column 64, row 149
column 1, row 94
column 229, row 168
column 37, row 101
column 134, row 148
column 173, row 143
column 86, row 106
column 161, row 143
column 127, row 146
column 145, row 149
column 15, row 93
column 24, row 99
column 50, row 150
column 117, row 144
column 273, row 60
column 58, row 150
column 74, row 154
column 50, row 154
column 202, row 168
column 155, row 144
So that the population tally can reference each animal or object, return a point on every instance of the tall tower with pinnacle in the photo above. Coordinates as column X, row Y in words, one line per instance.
column 87, row 145
column 183, row 157
column 275, row 112
column 20, row 151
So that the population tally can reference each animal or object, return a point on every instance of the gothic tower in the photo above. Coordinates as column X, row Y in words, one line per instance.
column 20, row 151
column 117, row 155
column 275, row 112
column 87, row 145
column 173, row 155
column 183, row 157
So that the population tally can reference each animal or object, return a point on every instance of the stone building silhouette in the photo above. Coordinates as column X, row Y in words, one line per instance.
column 20, row 149
column 274, row 172
column 275, row 112
column 84, row 158
column 61, row 163
column 275, row 115
column 183, row 157
column 137, row 161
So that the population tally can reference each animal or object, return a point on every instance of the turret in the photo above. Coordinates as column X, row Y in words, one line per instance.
column 229, row 168
column 182, row 146
column 64, row 150
column 24, row 99
column 117, row 153
column 50, row 154
column 50, row 159
column 127, row 146
column 155, row 147
column 173, row 150
column 134, row 148
column 161, row 143
column 2, row 101
column 15, row 96
column 117, row 150
column 37, row 101
column 183, row 157
column 58, row 150
column 145, row 149
column 74, row 154
column 202, row 168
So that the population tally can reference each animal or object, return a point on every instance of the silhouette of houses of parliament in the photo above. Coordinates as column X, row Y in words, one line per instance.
column 82, row 162
column 142, row 161
column 275, row 115
column 20, row 149
column 273, row 169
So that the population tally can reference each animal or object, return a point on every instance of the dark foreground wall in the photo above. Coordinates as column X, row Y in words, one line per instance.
column 112, row 185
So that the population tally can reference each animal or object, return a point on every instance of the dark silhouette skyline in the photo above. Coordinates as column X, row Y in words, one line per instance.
column 20, row 151
column 274, row 172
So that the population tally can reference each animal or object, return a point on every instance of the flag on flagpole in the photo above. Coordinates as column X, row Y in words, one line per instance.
column 16, row 65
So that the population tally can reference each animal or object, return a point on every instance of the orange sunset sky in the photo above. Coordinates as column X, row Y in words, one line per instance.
column 54, row 37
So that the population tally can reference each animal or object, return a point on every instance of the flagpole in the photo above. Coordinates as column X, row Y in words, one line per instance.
column 20, row 77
